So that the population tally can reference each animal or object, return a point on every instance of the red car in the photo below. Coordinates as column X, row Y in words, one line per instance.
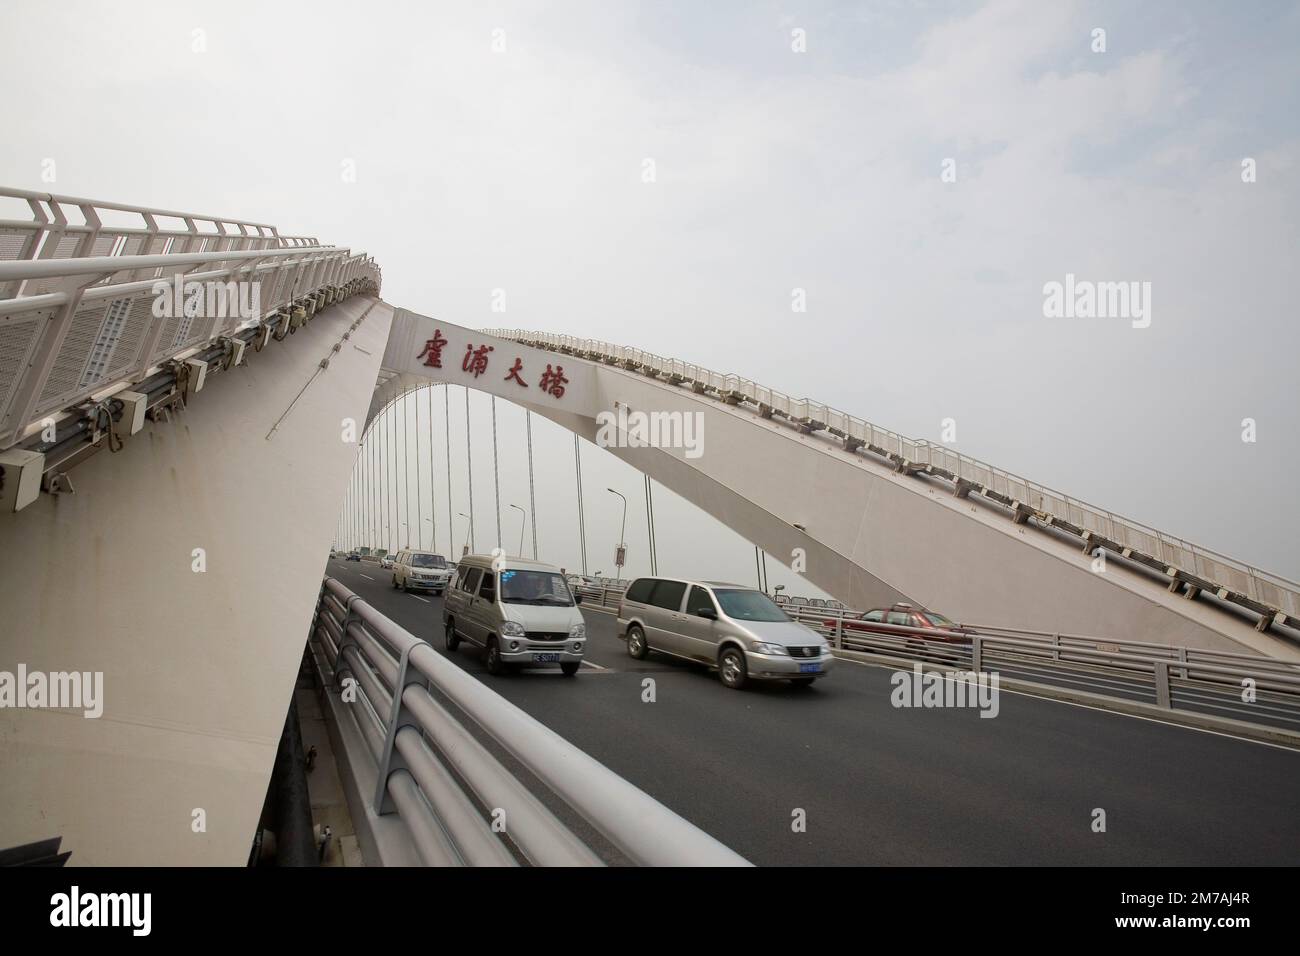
column 905, row 615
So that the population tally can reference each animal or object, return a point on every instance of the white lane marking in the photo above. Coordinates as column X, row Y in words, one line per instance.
column 418, row 598
column 595, row 665
column 1103, row 710
column 366, row 576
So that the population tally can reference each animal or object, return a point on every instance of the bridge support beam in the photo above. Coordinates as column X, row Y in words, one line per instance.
column 184, row 570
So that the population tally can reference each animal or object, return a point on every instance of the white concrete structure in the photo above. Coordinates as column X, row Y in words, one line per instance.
column 868, row 534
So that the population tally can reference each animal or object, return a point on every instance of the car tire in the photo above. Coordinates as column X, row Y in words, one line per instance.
column 732, row 668
column 569, row 668
column 492, row 658
column 394, row 582
column 453, row 641
column 637, row 646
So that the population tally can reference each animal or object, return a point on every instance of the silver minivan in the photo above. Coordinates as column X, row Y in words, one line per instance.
column 520, row 612
column 738, row 630
column 420, row 570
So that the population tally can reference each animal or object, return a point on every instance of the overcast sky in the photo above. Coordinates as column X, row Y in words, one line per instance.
column 523, row 169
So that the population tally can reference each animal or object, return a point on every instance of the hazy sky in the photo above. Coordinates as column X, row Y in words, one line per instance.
column 522, row 169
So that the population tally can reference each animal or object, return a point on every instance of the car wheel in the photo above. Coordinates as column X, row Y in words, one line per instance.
column 732, row 668
column 495, row 666
column 394, row 580
column 569, row 668
column 453, row 641
column 636, row 643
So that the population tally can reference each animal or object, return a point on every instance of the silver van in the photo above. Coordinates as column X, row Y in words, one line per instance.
column 420, row 571
column 738, row 630
column 519, row 611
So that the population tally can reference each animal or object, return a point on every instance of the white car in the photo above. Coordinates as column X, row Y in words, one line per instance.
column 421, row 571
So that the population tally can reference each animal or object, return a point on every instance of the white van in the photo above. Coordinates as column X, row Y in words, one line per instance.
column 520, row 612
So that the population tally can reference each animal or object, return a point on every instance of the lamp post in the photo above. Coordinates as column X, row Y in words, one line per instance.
column 465, row 550
column 523, row 519
column 621, row 551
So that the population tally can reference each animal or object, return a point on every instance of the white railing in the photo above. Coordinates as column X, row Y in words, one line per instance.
column 1233, row 576
column 77, row 301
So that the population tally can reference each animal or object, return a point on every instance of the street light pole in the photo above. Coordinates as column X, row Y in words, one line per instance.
column 469, row 522
column 622, row 534
column 523, row 520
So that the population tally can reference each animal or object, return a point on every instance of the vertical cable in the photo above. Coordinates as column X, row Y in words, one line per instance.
column 758, row 569
column 451, row 524
column 532, row 497
column 582, row 521
column 496, row 473
column 419, row 502
column 433, row 494
column 394, row 524
column 406, row 468
column 765, row 580
column 469, row 471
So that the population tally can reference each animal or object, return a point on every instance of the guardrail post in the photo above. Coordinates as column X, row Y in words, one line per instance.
column 839, row 632
column 976, row 654
column 1056, row 647
column 1182, row 656
column 1162, row 685
column 390, row 759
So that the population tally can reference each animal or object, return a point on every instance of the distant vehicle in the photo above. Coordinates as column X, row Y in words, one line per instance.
column 905, row 615
column 817, row 602
column 420, row 570
column 736, row 629
column 333, row 553
column 522, row 613
column 353, row 556
column 386, row 561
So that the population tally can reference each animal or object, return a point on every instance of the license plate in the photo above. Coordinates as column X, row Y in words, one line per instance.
column 809, row 668
column 546, row 658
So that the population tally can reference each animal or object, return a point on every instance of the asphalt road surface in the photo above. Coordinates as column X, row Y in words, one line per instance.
column 879, row 785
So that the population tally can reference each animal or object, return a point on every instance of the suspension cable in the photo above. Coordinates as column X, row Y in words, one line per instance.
column 496, row 474
column 582, row 523
column 469, row 471
column 532, row 497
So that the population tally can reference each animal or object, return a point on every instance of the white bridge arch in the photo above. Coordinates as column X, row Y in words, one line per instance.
column 871, row 530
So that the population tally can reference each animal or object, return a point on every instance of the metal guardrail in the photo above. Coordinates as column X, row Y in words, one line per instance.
column 1172, row 677
column 77, row 300
column 423, row 751
column 1275, row 598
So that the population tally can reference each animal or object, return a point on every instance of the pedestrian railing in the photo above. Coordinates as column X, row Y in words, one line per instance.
column 1256, row 689
column 423, row 719
column 1186, row 565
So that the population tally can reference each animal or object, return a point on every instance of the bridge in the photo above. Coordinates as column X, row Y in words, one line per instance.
column 187, row 404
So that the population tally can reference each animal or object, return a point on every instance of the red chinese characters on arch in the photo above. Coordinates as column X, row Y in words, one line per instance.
column 432, row 353
column 553, row 381
column 515, row 369
column 476, row 360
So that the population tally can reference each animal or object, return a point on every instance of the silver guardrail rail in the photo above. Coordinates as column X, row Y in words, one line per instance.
column 1256, row 689
column 1185, row 565
column 82, row 344
column 1172, row 677
column 422, row 750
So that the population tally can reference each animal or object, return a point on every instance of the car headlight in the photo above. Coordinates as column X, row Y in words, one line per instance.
column 578, row 631
column 762, row 648
column 512, row 629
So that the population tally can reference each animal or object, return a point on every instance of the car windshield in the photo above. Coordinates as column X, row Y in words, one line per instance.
column 535, row 587
column 938, row 620
column 749, row 606
column 428, row 561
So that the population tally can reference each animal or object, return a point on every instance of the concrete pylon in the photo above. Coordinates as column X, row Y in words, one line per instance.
column 185, row 570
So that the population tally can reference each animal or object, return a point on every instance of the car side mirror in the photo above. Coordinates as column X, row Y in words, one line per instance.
column 708, row 613
column 577, row 599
